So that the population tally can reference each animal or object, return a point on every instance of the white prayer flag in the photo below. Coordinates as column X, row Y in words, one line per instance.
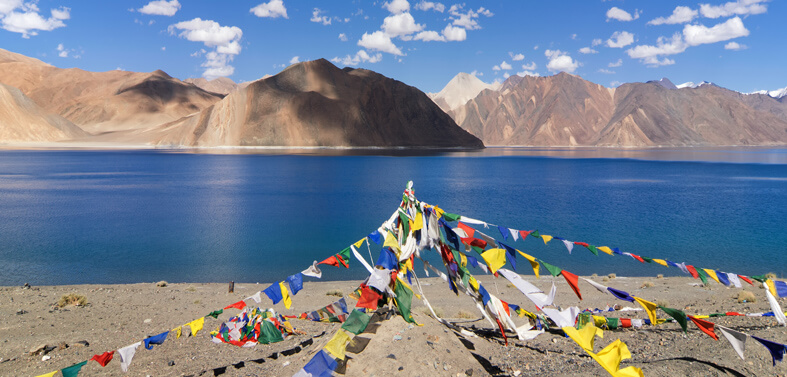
column 126, row 354
column 737, row 340
column 569, row 245
column 313, row 271
column 256, row 297
column 562, row 318
column 514, row 233
column 734, row 280
column 775, row 308
column 598, row 286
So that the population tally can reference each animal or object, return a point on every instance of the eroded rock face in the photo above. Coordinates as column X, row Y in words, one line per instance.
column 317, row 104
column 565, row 110
column 22, row 120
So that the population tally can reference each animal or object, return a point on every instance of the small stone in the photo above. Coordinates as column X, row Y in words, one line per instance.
column 286, row 363
column 517, row 373
column 147, row 320
column 21, row 311
column 391, row 356
column 397, row 337
column 446, row 367
column 171, row 363
column 554, row 340
column 400, row 369
column 62, row 346
column 36, row 350
column 46, row 357
column 469, row 372
column 82, row 343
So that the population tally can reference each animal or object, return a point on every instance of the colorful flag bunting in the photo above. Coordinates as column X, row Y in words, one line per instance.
column 238, row 305
column 337, row 345
column 156, row 339
column 533, row 263
column 215, row 313
column 546, row 238
column 605, row 249
column 104, row 358
column 573, row 281
column 495, row 259
column 777, row 310
column 313, row 271
column 610, row 357
column 584, row 337
column 712, row 274
column 504, row 232
column 679, row 316
column 356, row 322
column 321, row 365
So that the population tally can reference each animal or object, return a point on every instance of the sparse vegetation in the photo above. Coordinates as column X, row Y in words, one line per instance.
column 770, row 275
column 647, row 284
column 464, row 314
column 335, row 292
column 197, row 302
column 612, row 276
column 594, row 276
column 746, row 296
column 663, row 303
column 660, row 276
column 191, row 289
column 437, row 310
column 605, row 279
column 161, row 284
column 72, row 299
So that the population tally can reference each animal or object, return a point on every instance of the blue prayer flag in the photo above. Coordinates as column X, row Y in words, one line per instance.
column 620, row 294
column 321, row 365
column 504, row 232
column 376, row 237
column 157, row 339
column 388, row 259
column 274, row 293
column 296, row 283
column 777, row 350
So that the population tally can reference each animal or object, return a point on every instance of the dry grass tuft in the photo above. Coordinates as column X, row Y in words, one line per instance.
column 663, row 303
column 437, row 310
column 660, row 276
column 605, row 279
column 746, row 296
column 161, row 284
column 612, row 276
column 771, row 275
column 335, row 292
column 191, row 288
column 647, row 284
column 72, row 299
column 464, row 314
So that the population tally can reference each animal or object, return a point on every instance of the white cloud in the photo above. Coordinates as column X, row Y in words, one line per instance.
column 452, row 33
column 427, row 5
column 620, row 39
column 505, row 66
column 535, row 47
column 400, row 25
column 680, row 15
column 615, row 84
column 607, row 71
column 360, row 57
column 271, row 9
column 161, row 8
column 429, row 36
column 560, row 61
column 163, row 48
column 528, row 73
column 476, row 73
column 295, row 60
column 63, row 53
column 700, row 34
column 587, row 50
column 506, row 75
column 649, row 54
column 516, row 57
column 735, row 46
column 379, row 41
column 615, row 64
column 225, row 39
column 397, row 6
column 343, row 37
column 469, row 19
column 621, row 15
column 596, row 42
column 24, row 18
column 529, row 67
column 316, row 17
column 740, row 8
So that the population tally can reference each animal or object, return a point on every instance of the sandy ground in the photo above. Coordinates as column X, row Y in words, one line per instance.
column 119, row 315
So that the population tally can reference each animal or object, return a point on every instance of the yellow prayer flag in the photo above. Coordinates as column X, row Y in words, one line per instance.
column 712, row 274
column 391, row 241
column 285, row 294
column 605, row 249
column 50, row 374
column 584, row 337
column 702, row 316
column 178, row 331
column 337, row 345
column 546, row 238
column 359, row 243
column 418, row 223
column 473, row 283
column 463, row 260
column 650, row 308
column 771, row 287
column 610, row 357
column 599, row 320
column 195, row 325
column 533, row 262
column 661, row 262
column 494, row 258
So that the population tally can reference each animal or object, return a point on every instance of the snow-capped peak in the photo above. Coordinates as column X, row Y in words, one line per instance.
column 692, row 85
column 778, row 93
column 462, row 88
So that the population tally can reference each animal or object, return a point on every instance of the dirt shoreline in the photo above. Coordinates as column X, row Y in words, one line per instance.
column 119, row 315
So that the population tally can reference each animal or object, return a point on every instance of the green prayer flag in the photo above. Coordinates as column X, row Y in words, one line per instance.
column 535, row 234
column 760, row 278
column 554, row 270
column 345, row 254
column 215, row 313
column 356, row 322
column 703, row 276
column 593, row 250
column 403, row 300
column 269, row 333
column 717, row 315
column 73, row 371
column 649, row 260
column 477, row 249
column 405, row 226
column 679, row 316
column 450, row 216
column 612, row 323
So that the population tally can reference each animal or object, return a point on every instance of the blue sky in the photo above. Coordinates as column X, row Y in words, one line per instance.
column 739, row 45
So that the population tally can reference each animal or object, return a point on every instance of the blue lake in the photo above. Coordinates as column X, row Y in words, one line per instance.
column 73, row 217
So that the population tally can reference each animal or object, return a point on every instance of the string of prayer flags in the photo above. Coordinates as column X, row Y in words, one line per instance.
column 712, row 274
column 215, row 314
column 321, row 365
column 494, row 258
column 470, row 232
column 678, row 315
column 104, row 358
column 546, row 238
column 503, row 231
column 156, row 339
column 369, row 298
column 569, row 245
column 705, row 326
column 375, row 236
column 737, row 340
column 404, row 300
column 340, row 259
column 195, row 325
column 356, row 322
column 777, row 350
column 512, row 252
column 533, row 263
column 777, row 310
column 73, row 371
column 126, row 354
column 313, row 271
column 598, row 286
column 554, row 270
column 50, row 374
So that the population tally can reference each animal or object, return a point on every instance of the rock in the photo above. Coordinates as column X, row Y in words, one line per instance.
column 82, row 343
column 400, row 369
column 286, row 363
column 36, row 350
column 46, row 357
column 21, row 311
column 517, row 373
column 171, row 363
column 147, row 320
column 469, row 372
column 161, row 284
column 62, row 346
column 391, row 356
column 26, row 286
column 397, row 337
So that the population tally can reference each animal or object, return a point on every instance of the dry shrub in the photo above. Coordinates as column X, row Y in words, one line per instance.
column 770, row 275
column 335, row 292
column 663, row 303
column 464, row 314
column 660, row 276
column 437, row 310
column 605, row 279
column 647, row 284
column 71, row 299
column 191, row 289
column 161, row 284
column 612, row 276
column 746, row 296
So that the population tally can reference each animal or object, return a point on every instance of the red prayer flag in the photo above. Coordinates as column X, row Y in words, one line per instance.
column 525, row 233
column 104, row 358
column 470, row 231
column 368, row 298
column 238, row 305
column 505, row 306
column 625, row 322
column 572, row 280
column 705, row 326
column 746, row 279
column 331, row 261
column 693, row 271
column 474, row 242
column 733, row 314
column 585, row 244
column 342, row 261
column 637, row 257
column 502, row 331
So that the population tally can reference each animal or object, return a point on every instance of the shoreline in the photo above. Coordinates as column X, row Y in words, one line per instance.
column 121, row 314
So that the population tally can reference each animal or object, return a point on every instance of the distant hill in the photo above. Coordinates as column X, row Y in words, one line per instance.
column 566, row 110
column 317, row 104
column 462, row 88
column 22, row 120
column 104, row 101
column 221, row 85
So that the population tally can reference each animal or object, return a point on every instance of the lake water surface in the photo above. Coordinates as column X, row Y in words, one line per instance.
column 72, row 217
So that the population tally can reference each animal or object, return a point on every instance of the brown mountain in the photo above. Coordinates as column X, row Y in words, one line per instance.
column 22, row 120
column 221, row 85
column 565, row 110
column 317, row 104
column 104, row 101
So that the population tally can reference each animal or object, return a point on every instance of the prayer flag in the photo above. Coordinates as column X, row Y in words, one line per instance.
column 554, row 270
column 388, row 259
column 777, row 350
column 620, row 294
column 705, row 326
column 126, row 354
column 468, row 230
column 583, row 244
column 495, row 258
column 610, row 357
column 50, row 374
column 744, row 278
column 104, row 358
column 321, row 365
column 512, row 252
column 781, row 288
column 403, row 300
column 514, row 234
column 777, row 310
column 356, row 322
column 451, row 217
column 274, row 293
column 313, row 271
column 73, row 371
column 418, row 224
column 679, row 316
column 569, row 245
column 562, row 318
column 215, row 313
column 637, row 257
column 375, row 236
column 702, row 275
column 238, row 305
column 337, row 345
column 737, row 340
column 733, row 279
column 572, row 280
column 196, row 325
column 592, row 249
column 661, row 262
column 295, row 282
column 546, row 238
column 584, row 337
column 503, row 231
column 712, row 274
column 722, row 278
column 533, row 263
column 156, row 339
column 650, row 308
column 525, row 233
column 256, row 297
column 598, row 286
column 605, row 249
column 369, row 298
column 285, row 294
column 484, row 294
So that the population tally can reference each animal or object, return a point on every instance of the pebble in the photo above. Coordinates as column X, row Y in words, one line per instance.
column 517, row 373
column 286, row 363
column 391, row 356
column 171, row 363
column 46, row 357
column 147, row 320
column 397, row 337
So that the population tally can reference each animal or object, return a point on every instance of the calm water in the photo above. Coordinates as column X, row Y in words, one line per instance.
column 71, row 217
